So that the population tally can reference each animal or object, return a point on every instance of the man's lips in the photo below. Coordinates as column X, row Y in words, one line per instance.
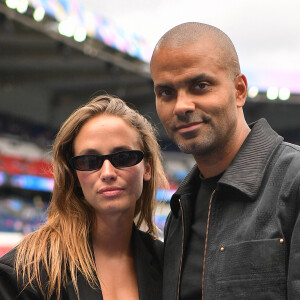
column 110, row 191
column 187, row 127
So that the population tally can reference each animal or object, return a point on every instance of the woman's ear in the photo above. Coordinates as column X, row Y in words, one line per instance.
column 147, row 171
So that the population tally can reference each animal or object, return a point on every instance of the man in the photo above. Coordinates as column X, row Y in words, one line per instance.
column 234, row 227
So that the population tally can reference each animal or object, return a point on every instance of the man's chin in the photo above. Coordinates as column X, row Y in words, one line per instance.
column 194, row 148
column 187, row 148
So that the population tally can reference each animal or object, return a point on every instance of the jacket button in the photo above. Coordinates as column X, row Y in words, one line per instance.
column 222, row 249
column 281, row 241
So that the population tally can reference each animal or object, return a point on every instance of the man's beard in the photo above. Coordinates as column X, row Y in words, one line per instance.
column 196, row 146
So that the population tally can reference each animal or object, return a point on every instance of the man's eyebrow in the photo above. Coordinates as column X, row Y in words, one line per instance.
column 162, row 86
column 199, row 77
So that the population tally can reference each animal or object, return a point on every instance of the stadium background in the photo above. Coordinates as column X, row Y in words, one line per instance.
column 55, row 55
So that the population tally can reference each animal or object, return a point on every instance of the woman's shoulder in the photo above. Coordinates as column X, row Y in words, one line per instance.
column 9, row 287
column 12, row 287
column 8, row 259
column 148, row 238
column 153, row 245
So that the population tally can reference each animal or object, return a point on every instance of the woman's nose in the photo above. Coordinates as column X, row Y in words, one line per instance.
column 107, row 171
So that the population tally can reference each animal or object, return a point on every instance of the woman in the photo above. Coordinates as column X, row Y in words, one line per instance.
column 107, row 169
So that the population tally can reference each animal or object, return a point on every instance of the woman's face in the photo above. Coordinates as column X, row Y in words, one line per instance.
column 110, row 190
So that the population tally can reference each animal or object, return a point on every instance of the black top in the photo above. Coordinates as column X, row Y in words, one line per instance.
column 148, row 264
column 194, row 253
column 254, row 226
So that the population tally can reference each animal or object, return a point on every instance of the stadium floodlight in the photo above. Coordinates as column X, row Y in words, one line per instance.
column 39, row 14
column 284, row 94
column 12, row 3
column 66, row 28
column 272, row 93
column 253, row 92
column 80, row 34
column 22, row 6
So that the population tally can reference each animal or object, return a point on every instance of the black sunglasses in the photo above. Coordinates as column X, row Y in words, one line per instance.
column 122, row 159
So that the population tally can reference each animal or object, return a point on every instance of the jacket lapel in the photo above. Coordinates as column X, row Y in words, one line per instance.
column 148, row 271
column 85, row 290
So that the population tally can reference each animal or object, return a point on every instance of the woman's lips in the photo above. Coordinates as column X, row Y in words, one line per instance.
column 110, row 191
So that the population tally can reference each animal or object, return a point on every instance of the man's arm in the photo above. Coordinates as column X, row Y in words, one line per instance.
column 293, row 283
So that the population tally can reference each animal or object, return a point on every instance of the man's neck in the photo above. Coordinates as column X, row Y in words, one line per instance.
column 215, row 163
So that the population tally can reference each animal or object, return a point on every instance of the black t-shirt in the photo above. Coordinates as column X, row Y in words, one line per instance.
column 191, row 281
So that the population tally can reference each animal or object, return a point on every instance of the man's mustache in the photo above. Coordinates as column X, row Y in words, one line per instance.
column 189, row 118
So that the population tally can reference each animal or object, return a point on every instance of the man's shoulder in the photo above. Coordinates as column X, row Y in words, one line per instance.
column 290, row 154
column 289, row 158
column 291, row 147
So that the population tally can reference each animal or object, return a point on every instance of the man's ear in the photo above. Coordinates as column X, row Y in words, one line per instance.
column 147, row 172
column 241, row 89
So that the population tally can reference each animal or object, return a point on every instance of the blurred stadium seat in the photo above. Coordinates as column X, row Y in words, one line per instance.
column 26, row 179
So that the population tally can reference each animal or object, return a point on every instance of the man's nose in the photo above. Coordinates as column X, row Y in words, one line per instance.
column 184, row 104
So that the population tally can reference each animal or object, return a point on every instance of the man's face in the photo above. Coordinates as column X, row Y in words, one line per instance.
column 195, row 97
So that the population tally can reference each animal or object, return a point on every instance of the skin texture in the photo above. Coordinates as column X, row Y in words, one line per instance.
column 125, row 184
column 200, row 102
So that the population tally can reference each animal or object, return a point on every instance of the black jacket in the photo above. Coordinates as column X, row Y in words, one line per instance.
column 148, row 264
column 253, row 232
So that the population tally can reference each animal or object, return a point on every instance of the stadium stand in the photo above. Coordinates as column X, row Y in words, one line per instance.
column 26, row 178
column 67, row 72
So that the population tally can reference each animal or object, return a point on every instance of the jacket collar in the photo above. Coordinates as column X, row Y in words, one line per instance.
column 247, row 169
column 187, row 187
column 146, row 272
column 245, row 173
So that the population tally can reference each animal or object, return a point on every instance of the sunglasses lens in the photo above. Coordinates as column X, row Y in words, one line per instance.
column 126, row 158
column 88, row 162
column 119, row 160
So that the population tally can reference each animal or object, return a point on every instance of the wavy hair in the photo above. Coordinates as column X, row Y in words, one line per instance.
column 61, row 245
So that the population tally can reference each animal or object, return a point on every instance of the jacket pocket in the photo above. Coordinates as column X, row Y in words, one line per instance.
column 252, row 270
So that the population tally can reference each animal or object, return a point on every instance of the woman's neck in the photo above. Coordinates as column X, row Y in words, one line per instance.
column 112, row 236
column 114, row 258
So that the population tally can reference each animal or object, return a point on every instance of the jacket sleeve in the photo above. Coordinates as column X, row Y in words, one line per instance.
column 293, row 283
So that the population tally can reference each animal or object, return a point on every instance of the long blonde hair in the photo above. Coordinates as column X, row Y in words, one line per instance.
column 61, row 245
